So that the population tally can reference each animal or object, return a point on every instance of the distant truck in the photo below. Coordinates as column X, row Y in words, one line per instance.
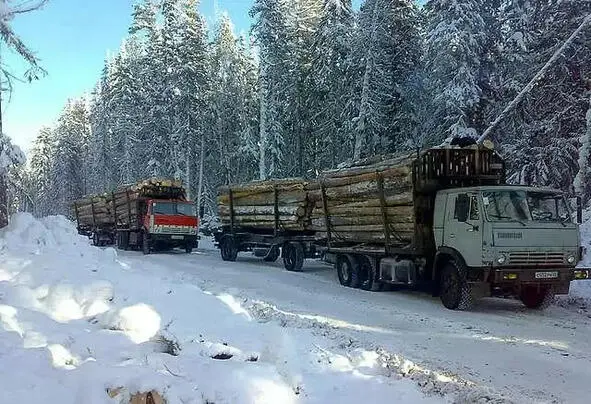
column 444, row 218
column 151, row 215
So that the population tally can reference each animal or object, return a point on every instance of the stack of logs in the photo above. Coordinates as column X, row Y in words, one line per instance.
column 364, row 198
column 254, row 205
column 92, row 211
column 360, row 199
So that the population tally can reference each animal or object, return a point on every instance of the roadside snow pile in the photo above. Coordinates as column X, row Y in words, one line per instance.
column 580, row 291
column 76, row 322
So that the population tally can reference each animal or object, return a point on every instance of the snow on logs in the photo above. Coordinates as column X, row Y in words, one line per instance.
column 361, row 200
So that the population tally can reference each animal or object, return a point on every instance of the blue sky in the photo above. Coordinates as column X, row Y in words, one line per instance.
column 72, row 38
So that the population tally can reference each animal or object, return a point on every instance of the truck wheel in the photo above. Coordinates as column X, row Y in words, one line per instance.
column 536, row 298
column 146, row 248
column 346, row 269
column 293, row 257
column 188, row 248
column 368, row 274
column 228, row 249
column 272, row 254
column 455, row 290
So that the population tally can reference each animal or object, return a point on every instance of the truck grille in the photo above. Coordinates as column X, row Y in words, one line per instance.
column 536, row 258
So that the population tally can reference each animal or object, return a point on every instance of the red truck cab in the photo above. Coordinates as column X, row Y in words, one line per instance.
column 170, row 224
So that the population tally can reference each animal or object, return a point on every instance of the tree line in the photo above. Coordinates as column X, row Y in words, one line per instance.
column 315, row 83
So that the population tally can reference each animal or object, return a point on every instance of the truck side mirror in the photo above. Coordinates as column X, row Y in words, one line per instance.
column 201, row 211
column 462, row 209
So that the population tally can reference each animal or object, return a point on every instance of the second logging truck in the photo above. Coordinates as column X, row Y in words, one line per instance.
column 151, row 215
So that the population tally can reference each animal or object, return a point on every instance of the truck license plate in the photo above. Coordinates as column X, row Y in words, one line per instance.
column 547, row 275
column 178, row 237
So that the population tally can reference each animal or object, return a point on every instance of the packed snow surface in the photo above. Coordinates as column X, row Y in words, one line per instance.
column 76, row 321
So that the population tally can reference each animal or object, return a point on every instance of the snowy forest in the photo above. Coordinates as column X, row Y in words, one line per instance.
column 315, row 83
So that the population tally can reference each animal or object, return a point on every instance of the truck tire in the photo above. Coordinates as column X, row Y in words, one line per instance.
column 346, row 267
column 455, row 291
column 146, row 247
column 293, row 257
column 228, row 249
column 188, row 248
column 368, row 274
column 272, row 254
column 536, row 298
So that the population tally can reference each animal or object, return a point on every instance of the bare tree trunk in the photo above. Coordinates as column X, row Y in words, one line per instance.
column 200, row 186
column 580, row 179
column 263, row 135
column 363, row 107
column 188, row 172
column 3, row 201
column 539, row 75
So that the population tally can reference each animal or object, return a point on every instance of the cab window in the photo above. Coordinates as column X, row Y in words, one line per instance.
column 474, row 209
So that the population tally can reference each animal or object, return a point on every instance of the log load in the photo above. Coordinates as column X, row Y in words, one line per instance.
column 356, row 208
column 364, row 198
column 92, row 211
column 254, row 205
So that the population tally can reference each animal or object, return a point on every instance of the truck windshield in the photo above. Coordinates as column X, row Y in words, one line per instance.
column 519, row 206
column 170, row 208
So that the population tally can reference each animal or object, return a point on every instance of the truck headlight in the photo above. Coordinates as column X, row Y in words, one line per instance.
column 570, row 259
column 501, row 259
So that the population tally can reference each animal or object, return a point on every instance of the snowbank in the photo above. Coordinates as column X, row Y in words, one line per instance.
column 75, row 321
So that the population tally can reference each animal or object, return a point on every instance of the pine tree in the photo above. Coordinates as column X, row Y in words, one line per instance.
column 329, row 83
column 271, row 31
column 455, row 44
column 10, row 156
column 385, row 54
column 543, row 136
column 41, row 166
column 70, row 162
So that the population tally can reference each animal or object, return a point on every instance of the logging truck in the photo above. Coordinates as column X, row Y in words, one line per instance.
column 151, row 215
column 443, row 219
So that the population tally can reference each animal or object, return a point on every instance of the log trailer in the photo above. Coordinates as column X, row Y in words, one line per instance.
column 444, row 218
column 151, row 215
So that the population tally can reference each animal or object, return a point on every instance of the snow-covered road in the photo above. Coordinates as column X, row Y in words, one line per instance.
column 523, row 355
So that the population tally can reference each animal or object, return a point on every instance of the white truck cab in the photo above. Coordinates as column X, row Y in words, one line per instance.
column 506, row 240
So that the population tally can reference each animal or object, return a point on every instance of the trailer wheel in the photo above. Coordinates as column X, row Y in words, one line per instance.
column 536, row 298
column 346, row 265
column 293, row 257
column 146, row 247
column 228, row 249
column 272, row 254
column 368, row 274
column 455, row 290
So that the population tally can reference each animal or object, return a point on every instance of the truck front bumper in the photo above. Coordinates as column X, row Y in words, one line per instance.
column 175, row 240
column 558, row 278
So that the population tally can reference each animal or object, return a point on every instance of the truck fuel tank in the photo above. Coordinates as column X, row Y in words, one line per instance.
column 399, row 271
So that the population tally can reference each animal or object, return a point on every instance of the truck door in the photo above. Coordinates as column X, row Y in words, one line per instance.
column 463, row 227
